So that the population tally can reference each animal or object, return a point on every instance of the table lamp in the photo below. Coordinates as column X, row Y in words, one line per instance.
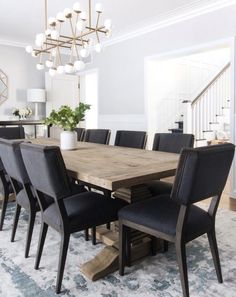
column 36, row 96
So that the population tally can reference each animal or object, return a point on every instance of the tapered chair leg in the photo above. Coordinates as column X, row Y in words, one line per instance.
column 29, row 232
column 4, row 208
column 86, row 234
column 15, row 223
column 153, row 246
column 62, row 259
column 215, row 254
column 128, row 246
column 181, row 259
column 122, row 248
column 165, row 246
column 43, row 233
column 94, row 241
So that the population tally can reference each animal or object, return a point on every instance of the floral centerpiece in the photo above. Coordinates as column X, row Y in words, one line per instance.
column 22, row 113
column 68, row 119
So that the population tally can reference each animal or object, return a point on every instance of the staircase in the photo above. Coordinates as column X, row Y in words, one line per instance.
column 208, row 115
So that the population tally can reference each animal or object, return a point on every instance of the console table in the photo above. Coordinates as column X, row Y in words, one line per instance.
column 34, row 123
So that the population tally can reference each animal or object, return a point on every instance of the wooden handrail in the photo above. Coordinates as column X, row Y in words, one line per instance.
column 210, row 83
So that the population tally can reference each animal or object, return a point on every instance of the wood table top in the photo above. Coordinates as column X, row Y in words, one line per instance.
column 112, row 167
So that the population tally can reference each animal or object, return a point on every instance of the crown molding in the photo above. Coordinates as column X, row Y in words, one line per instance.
column 12, row 43
column 175, row 16
column 178, row 15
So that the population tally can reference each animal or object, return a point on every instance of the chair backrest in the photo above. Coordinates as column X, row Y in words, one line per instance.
column 132, row 139
column 80, row 133
column 101, row 136
column 11, row 157
column 172, row 142
column 12, row 132
column 46, row 169
column 202, row 173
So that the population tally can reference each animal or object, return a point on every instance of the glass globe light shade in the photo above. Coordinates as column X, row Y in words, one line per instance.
column 69, row 68
column 40, row 66
column 54, row 34
column 52, row 21
column 80, row 25
column 67, row 12
column 84, row 52
column 77, row 7
column 29, row 49
column 49, row 63
column 38, row 42
column 98, row 47
column 98, row 7
column 33, row 54
column 90, row 41
column 54, row 52
column 60, row 69
column 79, row 65
column 107, row 24
column 48, row 32
column 108, row 33
column 52, row 71
column 40, row 39
column 83, row 16
column 60, row 17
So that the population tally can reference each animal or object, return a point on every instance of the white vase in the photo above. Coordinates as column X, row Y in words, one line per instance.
column 68, row 140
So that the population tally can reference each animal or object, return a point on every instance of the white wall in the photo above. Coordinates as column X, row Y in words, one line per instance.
column 22, row 74
column 121, row 66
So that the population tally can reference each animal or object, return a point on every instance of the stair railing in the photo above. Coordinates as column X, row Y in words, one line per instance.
column 203, row 113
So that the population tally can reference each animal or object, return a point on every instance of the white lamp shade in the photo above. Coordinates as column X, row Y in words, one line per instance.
column 36, row 95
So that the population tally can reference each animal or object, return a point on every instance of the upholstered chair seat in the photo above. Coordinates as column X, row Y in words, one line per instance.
column 161, row 213
column 84, row 209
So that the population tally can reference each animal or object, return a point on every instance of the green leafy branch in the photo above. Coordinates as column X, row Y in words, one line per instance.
column 66, row 118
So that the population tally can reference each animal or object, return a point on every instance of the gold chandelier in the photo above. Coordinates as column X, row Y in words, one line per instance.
column 85, row 37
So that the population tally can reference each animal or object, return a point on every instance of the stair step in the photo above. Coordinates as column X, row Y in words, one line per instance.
column 174, row 130
column 180, row 124
column 225, row 107
column 205, row 131
column 220, row 115
column 200, row 139
column 214, row 123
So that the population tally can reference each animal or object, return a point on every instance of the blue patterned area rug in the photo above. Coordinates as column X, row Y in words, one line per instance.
column 153, row 276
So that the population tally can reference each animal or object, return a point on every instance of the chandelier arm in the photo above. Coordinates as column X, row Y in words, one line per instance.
column 46, row 13
column 90, row 14
column 98, row 17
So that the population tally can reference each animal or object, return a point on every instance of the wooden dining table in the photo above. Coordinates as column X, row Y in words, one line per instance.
column 121, row 171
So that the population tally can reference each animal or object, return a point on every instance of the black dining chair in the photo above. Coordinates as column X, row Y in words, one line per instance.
column 7, row 133
column 201, row 174
column 170, row 143
column 101, row 136
column 12, row 132
column 132, row 139
column 69, row 213
column 12, row 160
column 80, row 133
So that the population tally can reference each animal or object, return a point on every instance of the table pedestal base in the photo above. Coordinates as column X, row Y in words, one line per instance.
column 107, row 261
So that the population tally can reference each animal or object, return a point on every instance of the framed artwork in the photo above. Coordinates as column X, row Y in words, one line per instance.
column 3, row 86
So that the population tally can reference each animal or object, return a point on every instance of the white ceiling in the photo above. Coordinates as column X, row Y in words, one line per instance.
column 20, row 20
